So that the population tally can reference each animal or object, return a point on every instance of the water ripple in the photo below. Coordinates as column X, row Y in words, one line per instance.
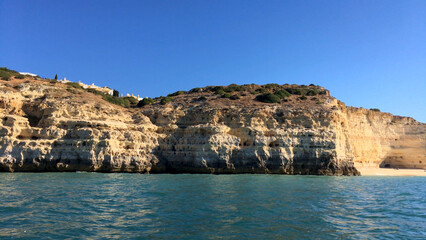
column 134, row 206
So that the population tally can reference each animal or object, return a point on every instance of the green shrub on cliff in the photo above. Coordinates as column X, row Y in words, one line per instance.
column 272, row 86
column 220, row 91
column 375, row 109
column 226, row 95
column 165, row 100
column 282, row 94
column 312, row 92
column 91, row 90
column 116, row 100
column 145, row 101
column 176, row 93
column 6, row 74
column 132, row 100
column 297, row 91
column 10, row 71
column 74, row 85
column 233, row 88
column 115, row 93
column 268, row 98
column 195, row 90
column 20, row 76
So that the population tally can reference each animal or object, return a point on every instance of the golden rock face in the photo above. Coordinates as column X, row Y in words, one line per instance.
column 45, row 127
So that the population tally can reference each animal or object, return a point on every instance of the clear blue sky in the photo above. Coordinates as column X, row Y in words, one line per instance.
column 370, row 54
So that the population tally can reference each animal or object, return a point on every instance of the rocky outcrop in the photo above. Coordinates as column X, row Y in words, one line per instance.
column 45, row 127
column 376, row 139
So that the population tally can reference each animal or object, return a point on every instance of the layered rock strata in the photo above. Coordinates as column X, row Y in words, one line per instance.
column 44, row 127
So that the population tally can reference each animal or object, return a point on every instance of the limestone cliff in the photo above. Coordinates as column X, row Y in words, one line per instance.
column 47, row 126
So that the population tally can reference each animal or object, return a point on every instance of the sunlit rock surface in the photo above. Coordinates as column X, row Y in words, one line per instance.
column 45, row 127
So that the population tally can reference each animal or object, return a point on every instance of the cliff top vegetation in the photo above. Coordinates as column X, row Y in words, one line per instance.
column 231, row 95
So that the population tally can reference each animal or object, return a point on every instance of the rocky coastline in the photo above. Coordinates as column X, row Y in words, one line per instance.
column 47, row 126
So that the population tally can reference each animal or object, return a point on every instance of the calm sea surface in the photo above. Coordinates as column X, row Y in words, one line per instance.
column 135, row 206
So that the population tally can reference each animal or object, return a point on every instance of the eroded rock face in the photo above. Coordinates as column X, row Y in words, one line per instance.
column 266, row 139
column 44, row 127
column 375, row 139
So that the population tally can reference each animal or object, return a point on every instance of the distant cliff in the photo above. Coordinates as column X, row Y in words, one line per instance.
column 283, row 129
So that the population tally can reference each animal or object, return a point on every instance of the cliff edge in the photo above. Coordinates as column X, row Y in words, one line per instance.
column 282, row 129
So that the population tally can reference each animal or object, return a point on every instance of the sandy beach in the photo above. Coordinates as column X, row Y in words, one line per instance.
column 391, row 172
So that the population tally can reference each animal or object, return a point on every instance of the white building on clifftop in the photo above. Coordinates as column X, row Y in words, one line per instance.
column 27, row 73
column 64, row 80
column 105, row 89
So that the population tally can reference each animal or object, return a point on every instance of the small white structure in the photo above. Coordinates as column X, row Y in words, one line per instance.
column 27, row 73
column 133, row 96
column 63, row 80
column 105, row 89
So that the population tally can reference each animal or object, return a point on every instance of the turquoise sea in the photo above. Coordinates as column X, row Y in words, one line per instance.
column 165, row 206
